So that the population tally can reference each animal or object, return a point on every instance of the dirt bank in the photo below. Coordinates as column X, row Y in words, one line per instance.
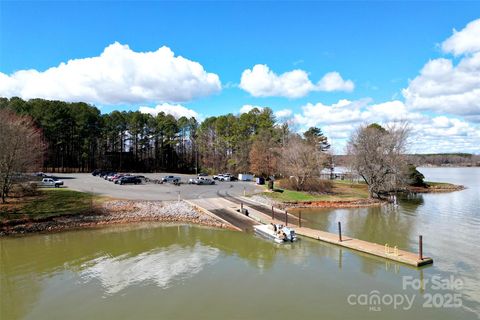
column 318, row 204
column 114, row 212
column 440, row 187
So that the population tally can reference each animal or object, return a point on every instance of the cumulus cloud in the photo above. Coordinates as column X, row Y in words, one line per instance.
column 260, row 81
column 429, row 133
column 118, row 75
column 248, row 107
column 284, row 113
column 445, row 87
column 464, row 41
column 177, row 111
column 333, row 81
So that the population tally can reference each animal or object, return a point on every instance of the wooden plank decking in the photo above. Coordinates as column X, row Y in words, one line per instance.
column 375, row 249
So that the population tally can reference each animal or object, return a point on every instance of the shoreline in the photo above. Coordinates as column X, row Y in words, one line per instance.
column 116, row 212
column 435, row 187
column 441, row 187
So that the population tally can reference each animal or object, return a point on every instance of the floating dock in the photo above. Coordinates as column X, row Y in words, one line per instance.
column 262, row 214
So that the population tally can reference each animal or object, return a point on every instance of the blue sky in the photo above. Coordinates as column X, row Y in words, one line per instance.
column 379, row 46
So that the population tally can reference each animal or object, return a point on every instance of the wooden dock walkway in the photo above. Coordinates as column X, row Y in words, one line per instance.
column 412, row 259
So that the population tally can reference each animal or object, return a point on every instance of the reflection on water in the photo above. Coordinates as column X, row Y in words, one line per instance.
column 151, row 271
column 159, row 267
column 449, row 223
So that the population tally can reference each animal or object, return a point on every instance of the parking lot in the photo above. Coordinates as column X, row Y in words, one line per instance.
column 150, row 191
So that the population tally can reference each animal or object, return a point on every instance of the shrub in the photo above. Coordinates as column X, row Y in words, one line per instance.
column 25, row 189
column 312, row 185
column 414, row 177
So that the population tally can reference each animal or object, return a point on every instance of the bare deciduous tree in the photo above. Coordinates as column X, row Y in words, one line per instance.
column 301, row 160
column 378, row 156
column 264, row 155
column 21, row 148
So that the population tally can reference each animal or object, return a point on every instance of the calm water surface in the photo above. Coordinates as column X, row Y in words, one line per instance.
column 184, row 272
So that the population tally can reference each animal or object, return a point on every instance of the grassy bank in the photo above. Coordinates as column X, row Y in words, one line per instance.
column 49, row 202
column 341, row 191
column 348, row 191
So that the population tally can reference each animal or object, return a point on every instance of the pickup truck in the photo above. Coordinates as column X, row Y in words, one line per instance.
column 171, row 179
column 201, row 180
column 51, row 182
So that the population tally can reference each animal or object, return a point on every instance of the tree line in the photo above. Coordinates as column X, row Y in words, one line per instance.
column 78, row 137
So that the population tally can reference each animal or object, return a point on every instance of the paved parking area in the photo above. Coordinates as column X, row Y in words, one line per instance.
column 149, row 191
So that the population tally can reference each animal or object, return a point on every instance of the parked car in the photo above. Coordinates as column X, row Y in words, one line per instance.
column 202, row 174
column 117, row 177
column 218, row 176
column 171, row 179
column 225, row 177
column 39, row 174
column 201, row 180
column 52, row 182
column 96, row 172
column 110, row 176
column 103, row 173
column 129, row 179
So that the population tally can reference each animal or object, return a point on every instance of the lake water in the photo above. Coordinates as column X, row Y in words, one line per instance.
column 151, row 271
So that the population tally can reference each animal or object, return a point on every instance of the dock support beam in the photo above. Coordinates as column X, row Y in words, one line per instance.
column 339, row 231
column 300, row 218
column 420, row 247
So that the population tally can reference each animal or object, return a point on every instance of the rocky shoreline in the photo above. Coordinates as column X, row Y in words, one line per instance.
column 114, row 212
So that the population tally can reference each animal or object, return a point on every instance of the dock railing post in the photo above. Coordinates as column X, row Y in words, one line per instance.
column 420, row 247
column 286, row 218
column 339, row 231
column 300, row 218
column 273, row 214
column 241, row 207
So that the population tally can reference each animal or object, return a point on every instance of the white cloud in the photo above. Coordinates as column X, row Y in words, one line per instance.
column 248, row 107
column 465, row 41
column 445, row 87
column 333, row 81
column 260, row 81
column 118, row 75
column 177, row 111
column 284, row 113
column 429, row 134
column 344, row 111
column 161, row 268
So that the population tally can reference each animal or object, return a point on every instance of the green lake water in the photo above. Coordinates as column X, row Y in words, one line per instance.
column 150, row 271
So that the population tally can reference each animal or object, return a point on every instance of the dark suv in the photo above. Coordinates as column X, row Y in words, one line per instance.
column 129, row 179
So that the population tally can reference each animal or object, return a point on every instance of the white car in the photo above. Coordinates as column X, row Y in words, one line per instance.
column 224, row 177
column 201, row 180
column 51, row 182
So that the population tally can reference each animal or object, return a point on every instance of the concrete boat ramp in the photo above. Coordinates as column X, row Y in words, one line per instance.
column 227, row 208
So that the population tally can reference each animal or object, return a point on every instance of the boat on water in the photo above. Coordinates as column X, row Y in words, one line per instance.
column 279, row 233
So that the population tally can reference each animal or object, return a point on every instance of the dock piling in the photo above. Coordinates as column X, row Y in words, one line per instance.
column 339, row 231
column 273, row 214
column 300, row 218
column 241, row 207
column 286, row 218
column 420, row 246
